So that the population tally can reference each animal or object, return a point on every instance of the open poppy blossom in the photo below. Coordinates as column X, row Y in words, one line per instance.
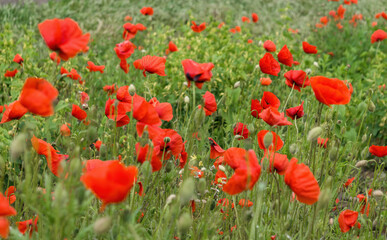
column 244, row 203
column 246, row 170
column 209, row 103
column 172, row 47
column 18, row 59
column 296, row 112
column 220, row 179
column 322, row 142
column 10, row 194
column 65, row 130
column 94, row 68
column 14, row 111
column 347, row 220
column 308, row 48
column 97, row 145
column 117, row 112
column 241, row 130
column 265, row 81
column 255, row 17
column 276, row 144
column 278, row 162
column 144, row 112
column 30, row 226
column 269, row 99
column 302, row 182
column 199, row 73
column 198, row 28
column 110, row 89
column 297, row 79
column 256, row 108
column 84, row 97
column 245, row 19
column 379, row 151
column 73, row 74
column 216, row 150
column 378, row 36
column 130, row 30
column 143, row 153
column 4, row 227
column 331, row 91
column 54, row 57
column 285, row 56
column 10, row 73
column 64, row 36
column 5, row 209
column 269, row 46
column 269, row 65
column 364, row 204
column 147, row 11
column 348, row 182
column 37, row 96
column 78, row 113
column 123, row 51
column 164, row 110
column 340, row 12
column 110, row 183
column 151, row 64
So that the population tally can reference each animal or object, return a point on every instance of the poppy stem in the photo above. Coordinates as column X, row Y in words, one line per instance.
column 193, row 97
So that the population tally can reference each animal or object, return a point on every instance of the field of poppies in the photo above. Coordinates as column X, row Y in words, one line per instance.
column 251, row 119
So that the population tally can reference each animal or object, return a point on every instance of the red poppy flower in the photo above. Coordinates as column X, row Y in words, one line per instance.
column 117, row 112
column 347, row 220
column 322, row 142
column 143, row 153
column 209, row 103
column 96, row 163
column 363, row 204
column 65, row 130
column 151, row 64
column 379, row 151
column 1, row 108
column 73, row 74
column 277, row 142
column 246, row 170
column 244, row 203
column 30, row 226
column 4, row 227
column 296, row 79
column 111, row 183
column 348, row 182
column 145, row 112
column 123, row 51
column 245, row 19
column 220, row 179
column 94, row 68
column 339, row 26
column 250, row 41
column 52, row 156
column 378, row 35
column 308, row 48
column 273, row 117
column 147, row 11
column 221, row 25
column 10, row 73
column 331, row 91
column 15, row 110
column 130, row 30
column 198, row 28
column 18, row 59
column 195, row 172
column 255, row 17
column 84, row 97
column 216, row 150
column 123, row 95
column 296, row 112
column 110, row 89
column 197, row 72
column 278, row 162
column 285, row 56
column 269, row 99
column 5, row 209
column 265, row 81
column 269, row 46
column 324, row 20
column 302, row 182
column 256, row 108
column 128, row 18
column 241, row 129
column 78, row 113
column 37, row 96
column 54, row 57
column 64, row 36
column 164, row 110
column 294, row 31
column 172, row 47
column 98, row 144
column 10, row 194
column 340, row 12
column 269, row 65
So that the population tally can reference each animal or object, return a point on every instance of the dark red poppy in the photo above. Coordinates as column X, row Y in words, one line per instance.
column 14, row 111
column 331, row 91
column 308, row 48
column 78, row 113
column 285, row 56
column 241, row 130
column 274, row 118
column 245, row 19
column 379, row 151
column 295, row 112
column 151, row 64
column 164, row 110
column 147, row 11
column 269, row 99
column 18, row 59
column 10, row 73
column 172, row 47
column 30, row 226
column 269, row 65
column 37, row 96
column 297, row 79
column 65, row 130
column 269, row 46
column 111, row 183
column 278, row 162
column 64, row 36
column 197, row 72
column 322, row 142
column 378, row 35
column 116, row 111
column 198, row 28
column 255, row 17
column 94, row 68
column 110, row 89
column 302, row 182
column 54, row 57
column 277, row 143
column 347, row 220
column 209, row 103
column 246, row 170
column 216, row 150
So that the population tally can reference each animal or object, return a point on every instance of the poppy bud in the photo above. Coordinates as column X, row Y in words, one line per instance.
column 371, row 107
column 331, row 221
column 75, row 165
column 91, row 134
column 361, row 163
column 268, row 140
column 102, row 225
column 293, row 149
column 364, row 138
column 333, row 153
column 201, row 185
column 132, row 90
column 170, row 199
column 324, row 198
column 186, row 99
column 187, row 191
column 18, row 146
column 315, row 64
column 167, row 139
column 60, row 195
column 184, row 222
column 314, row 133
column 222, row 168
column 199, row 117
column 308, row 71
column 377, row 193
column 2, row 167
column 250, row 127
column 103, row 151
column 237, row 84
column 169, row 166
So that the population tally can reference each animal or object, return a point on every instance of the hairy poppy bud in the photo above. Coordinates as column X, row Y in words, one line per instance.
column 237, row 84
column 184, row 222
column 18, row 146
column 293, row 149
column 132, row 90
column 187, row 191
column 60, row 195
column 308, row 71
column 324, row 198
column 201, row 185
column 315, row 64
column 91, row 134
column 333, row 153
column 361, row 163
column 268, row 140
column 2, row 167
column 364, row 138
column 371, row 107
column 102, row 225
column 331, row 221
column 186, row 99
column 199, row 116
column 222, row 168
column 314, row 133
column 170, row 199
column 377, row 193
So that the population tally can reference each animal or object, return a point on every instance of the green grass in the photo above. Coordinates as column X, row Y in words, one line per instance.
column 351, row 129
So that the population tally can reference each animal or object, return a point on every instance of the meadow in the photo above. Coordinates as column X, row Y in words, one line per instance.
column 193, row 120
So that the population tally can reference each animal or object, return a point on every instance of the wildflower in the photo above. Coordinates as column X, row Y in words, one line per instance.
column 151, row 64
column 65, row 130
column 296, row 112
column 379, row 151
column 14, row 111
column 269, row 65
column 265, row 81
column 275, row 145
column 199, row 73
column 378, row 36
column 241, row 129
column 172, row 47
column 348, row 182
column 54, row 57
column 245, row 19
column 18, row 59
column 254, row 17
column 94, row 68
column 147, row 11
column 308, row 48
column 347, row 220
column 285, row 56
column 30, row 226
column 274, row 118
column 269, row 46
column 10, row 73
column 216, row 150
column 209, row 103
column 331, row 91
column 278, row 162
column 322, row 142
column 198, row 28
column 117, row 112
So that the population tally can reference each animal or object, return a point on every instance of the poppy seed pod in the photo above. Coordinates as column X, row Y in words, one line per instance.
column 268, row 140
column 102, row 225
column 314, row 133
column 371, row 107
column 187, row 191
column 184, row 222
column 132, row 90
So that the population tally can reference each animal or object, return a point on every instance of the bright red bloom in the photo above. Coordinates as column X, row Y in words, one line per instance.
column 198, row 28
column 73, row 74
column 111, row 183
column 5, row 209
column 331, row 91
column 297, row 79
column 197, row 72
column 128, row 18
column 30, row 226
column 339, row 26
column 379, row 151
column 245, row 19
column 246, row 170
column 243, row 203
column 65, row 130
column 98, row 144
column 64, row 36
column 78, row 113
column 84, row 97
column 151, row 64
column 308, row 48
column 277, row 142
column 348, row 182
column 347, row 220
column 269, row 99
column 172, row 47
column 123, row 95
column 145, row 112
column 94, row 68
column 54, row 57
column 363, row 204
column 10, row 73
column 322, row 142
column 52, row 156
column 143, row 153
column 147, row 11
column 10, row 194
column 196, row 172
column 256, row 108
column 269, row 46
column 4, row 227
column 37, row 96
column 130, row 30
column 110, row 89
column 216, row 150
column 340, row 12
column 285, row 56
column 296, row 112
column 278, row 162
column 164, row 110
column 269, row 65
column 241, row 129
column 324, row 20
column 220, row 179
column 265, row 81
column 378, row 35
column 123, row 51
column 18, row 59
column 250, row 41
column 15, row 110
column 302, row 182
column 209, row 103
column 221, row 25
column 255, row 17
column 117, row 112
